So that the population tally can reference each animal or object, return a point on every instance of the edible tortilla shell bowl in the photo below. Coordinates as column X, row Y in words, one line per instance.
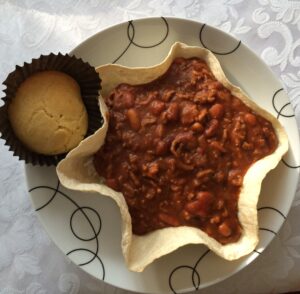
column 77, row 171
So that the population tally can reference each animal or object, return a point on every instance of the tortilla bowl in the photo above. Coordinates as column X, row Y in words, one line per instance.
column 77, row 170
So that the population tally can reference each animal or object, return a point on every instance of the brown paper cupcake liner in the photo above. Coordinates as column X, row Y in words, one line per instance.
column 84, row 74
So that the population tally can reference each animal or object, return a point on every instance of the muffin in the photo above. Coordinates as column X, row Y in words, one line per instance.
column 47, row 113
column 50, row 106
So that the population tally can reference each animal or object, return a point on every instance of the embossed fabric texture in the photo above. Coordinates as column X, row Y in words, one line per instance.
column 29, row 260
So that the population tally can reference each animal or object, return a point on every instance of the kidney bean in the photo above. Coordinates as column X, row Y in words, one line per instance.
column 169, row 219
column 217, row 145
column 160, row 130
column 148, row 120
column 212, row 128
column 197, row 127
column 195, row 208
column 157, row 107
column 204, row 173
column 205, row 197
column 179, row 181
column 184, row 166
column 134, row 119
column 216, row 111
column 201, row 205
column 189, row 113
column 224, row 135
column 215, row 219
column 172, row 112
column 250, row 119
column 224, row 229
column 202, row 114
column 152, row 169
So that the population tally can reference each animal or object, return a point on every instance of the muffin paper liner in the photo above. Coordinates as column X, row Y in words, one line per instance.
column 82, row 72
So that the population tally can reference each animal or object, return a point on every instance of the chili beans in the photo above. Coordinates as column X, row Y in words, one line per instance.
column 178, row 149
column 134, row 119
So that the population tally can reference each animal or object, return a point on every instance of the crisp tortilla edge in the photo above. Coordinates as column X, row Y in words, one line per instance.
column 140, row 251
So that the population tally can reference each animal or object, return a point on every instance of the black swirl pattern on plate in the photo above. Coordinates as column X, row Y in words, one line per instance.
column 81, row 210
column 201, row 38
column 282, row 108
column 272, row 209
column 195, row 276
column 280, row 113
column 258, row 252
column 131, row 36
column 268, row 230
column 51, row 198
column 289, row 165
column 275, row 210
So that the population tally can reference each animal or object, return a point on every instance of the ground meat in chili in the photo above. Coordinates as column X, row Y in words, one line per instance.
column 178, row 149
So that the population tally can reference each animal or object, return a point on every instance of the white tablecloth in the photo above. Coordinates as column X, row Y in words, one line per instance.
column 29, row 261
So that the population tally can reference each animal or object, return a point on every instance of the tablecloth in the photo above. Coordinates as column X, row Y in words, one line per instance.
column 29, row 261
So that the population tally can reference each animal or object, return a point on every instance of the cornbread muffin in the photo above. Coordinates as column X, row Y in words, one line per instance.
column 47, row 113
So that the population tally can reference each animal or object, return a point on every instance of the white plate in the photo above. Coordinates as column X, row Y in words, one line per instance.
column 86, row 227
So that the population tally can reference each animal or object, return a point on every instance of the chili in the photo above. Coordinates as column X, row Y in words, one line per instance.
column 178, row 149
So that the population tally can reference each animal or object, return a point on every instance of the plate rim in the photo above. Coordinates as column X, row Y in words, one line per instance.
column 251, row 256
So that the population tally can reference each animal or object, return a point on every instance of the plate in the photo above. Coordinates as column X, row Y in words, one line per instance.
column 86, row 227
